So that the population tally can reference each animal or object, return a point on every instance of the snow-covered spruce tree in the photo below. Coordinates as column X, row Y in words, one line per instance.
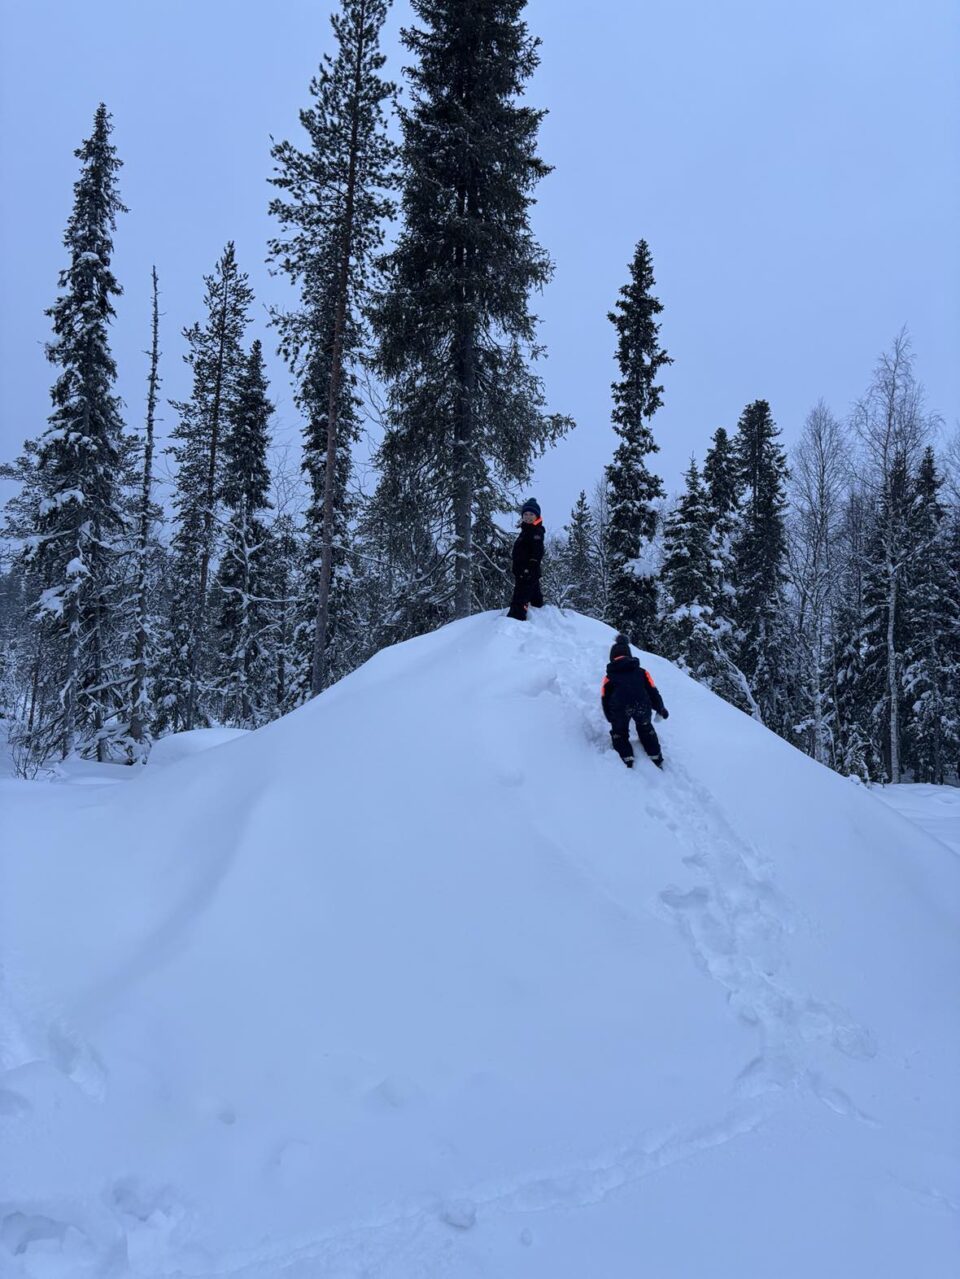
column 819, row 483
column 238, row 683
column 581, row 562
column 334, row 203
column 454, row 324
column 931, row 608
column 688, row 631
column 759, row 565
column 723, row 484
column 217, row 360
column 633, row 489
column 78, row 465
column 892, row 425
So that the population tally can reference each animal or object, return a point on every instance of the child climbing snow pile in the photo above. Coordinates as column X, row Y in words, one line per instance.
column 629, row 693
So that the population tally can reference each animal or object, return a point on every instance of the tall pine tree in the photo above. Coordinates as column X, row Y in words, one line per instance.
column 456, row 331
column 217, row 361
column 243, row 615
column 759, row 562
column 722, row 483
column 931, row 608
column 79, row 462
column 334, row 204
column 581, row 563
column 721, row 477
column 633, row 488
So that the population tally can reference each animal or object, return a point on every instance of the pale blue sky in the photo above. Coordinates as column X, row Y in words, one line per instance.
column 793, row 168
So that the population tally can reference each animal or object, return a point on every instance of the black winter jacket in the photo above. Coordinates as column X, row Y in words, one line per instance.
column 628, row 689
column 528, row 550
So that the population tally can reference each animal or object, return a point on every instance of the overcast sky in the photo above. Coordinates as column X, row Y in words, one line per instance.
column 794, row 168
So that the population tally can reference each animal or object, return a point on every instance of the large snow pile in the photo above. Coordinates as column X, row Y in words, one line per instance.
column 421, row 981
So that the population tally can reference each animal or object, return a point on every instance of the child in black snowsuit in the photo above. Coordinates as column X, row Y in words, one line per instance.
column 527, row 554
column 629, row 693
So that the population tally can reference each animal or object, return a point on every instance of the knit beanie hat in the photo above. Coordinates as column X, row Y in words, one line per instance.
column 531, row 504
column 620, row 648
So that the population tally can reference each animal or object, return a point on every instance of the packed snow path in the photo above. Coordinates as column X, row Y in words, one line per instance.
column 422, row 981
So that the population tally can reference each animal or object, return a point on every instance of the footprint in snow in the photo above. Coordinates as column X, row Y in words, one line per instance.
column 677, row 899
column 459, row 1213
column 837, row 1100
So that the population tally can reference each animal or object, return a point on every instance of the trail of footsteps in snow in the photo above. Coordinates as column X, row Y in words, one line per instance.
column 572, row 672
column 413, row 1240
column 735, row 923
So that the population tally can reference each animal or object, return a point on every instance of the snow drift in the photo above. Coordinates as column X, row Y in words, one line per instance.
column 420, row 980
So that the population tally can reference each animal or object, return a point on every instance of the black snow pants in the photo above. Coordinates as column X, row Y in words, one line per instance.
column 526, row 591
column 620, row 734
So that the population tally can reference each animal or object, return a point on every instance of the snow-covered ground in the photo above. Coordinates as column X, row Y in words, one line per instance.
column 935, row 809
column 420, row 981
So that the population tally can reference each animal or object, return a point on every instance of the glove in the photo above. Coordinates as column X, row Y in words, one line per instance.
column 664, row 714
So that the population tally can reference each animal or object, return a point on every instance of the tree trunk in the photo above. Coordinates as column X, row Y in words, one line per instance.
column 463, row 431
column 138, row 690
column 34, row 687
column 246, row 583
column 463, row 484
column 97, row 676
column 69, row 694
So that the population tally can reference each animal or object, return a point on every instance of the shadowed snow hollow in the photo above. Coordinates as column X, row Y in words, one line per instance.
column 421, row 981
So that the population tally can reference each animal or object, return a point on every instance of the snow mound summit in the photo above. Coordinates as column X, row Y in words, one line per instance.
column 421, row 981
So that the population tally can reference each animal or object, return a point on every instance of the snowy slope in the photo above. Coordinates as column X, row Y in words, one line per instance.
column 420, row 981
